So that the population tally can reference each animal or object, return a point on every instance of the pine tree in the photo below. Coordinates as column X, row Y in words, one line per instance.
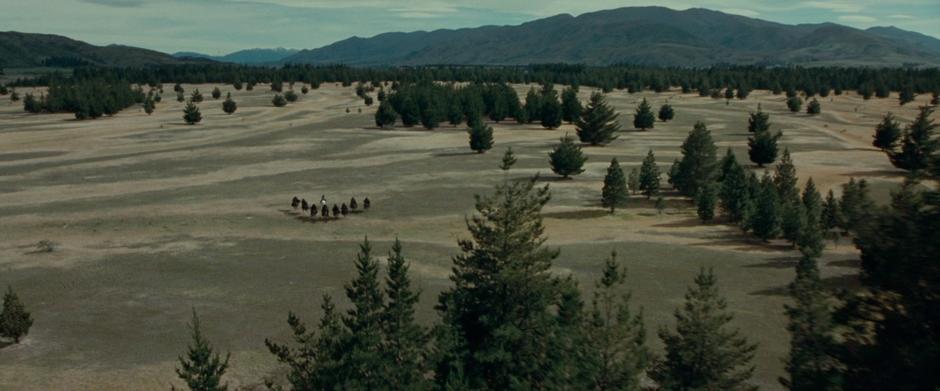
column 649, row 175
column 292, row 96
column 316, row 363
column 794, row 103
column 644, row 119
column 385, row 116
column 792, row 215
column 196, row 97
column 551, row 110
column 856, row 205
column 734, row 194
column 726, row 164
column 703, row 354
column 812, row 201
column 229, row 106
column 698, row 163
column 278, row 101
column 509, row 159
column 810, row 364
column 597, row 123
column 616, row 355
column 785, row 178
column 729, row 93
column 180, row 97
column 831, row 216
column 666, row 113
column 216, row 93
column 363, row 345
column 533, row 105
column 813, row 107
column 918, row 143
column 404, row 340
column 570, row 349
column 633, row 180
column 614, row 193
column 191, row 114
column 705, row 202
column 887, row 133
column 570, row 105
column 498, row 315
column 906, row 95
column 149, row 106
column 765, row 220
column 481, row 137
column 762, row 147
column 202, row 369
column 409, row 111
column 567, row 159
column 15, row 321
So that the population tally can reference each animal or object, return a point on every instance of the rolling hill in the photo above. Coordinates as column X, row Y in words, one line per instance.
column 247, row 56
column 31, row 50
column 637, row 35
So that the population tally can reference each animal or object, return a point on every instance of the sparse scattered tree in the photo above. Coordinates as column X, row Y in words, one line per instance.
column 666, row 112
column 813, row 107
column 762, row 147
column 614, row 193
column 699, row 161
column 509, row 159
column 644, row 119
column 481, row 137
column 229, row 106
column 196, row 97
column 705, row 202
column 566, row 158
column 887, row 133
column 794, row 103
column 15, row 321
column 278, row 101
column 597, row 123
column 570, row 105
column 191, row 114
column 216, row 93
column 918, row 143
column 385, row 116
column 291, row 96
column 649, row 175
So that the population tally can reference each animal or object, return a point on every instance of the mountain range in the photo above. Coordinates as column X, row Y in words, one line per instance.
column 247, row 56
column 18, row 50
column 653, row 36
column 638, row 35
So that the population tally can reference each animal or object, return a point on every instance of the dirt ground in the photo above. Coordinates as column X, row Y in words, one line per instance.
column 151, row 218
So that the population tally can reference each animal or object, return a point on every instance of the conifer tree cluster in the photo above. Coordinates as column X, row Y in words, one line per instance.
column 87, row 99
column 430, row 104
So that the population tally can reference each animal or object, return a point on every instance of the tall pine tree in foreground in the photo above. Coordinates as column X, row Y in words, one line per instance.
column 404, row 343
column 614, row 193
column 810, row 364
column 733, row 193
column 497, row 319
column 644, row 119
column 15, row 321
column 617, row 355
column 567, row 159
column 702, row 353
column 363, row 345
column 597, row 124
column 699, row 162
column 765, row 218
column 202, row 368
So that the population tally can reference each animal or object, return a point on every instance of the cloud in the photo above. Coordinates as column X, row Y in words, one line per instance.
column 857, row 19
column 742, row 12
column 116, row 3
column 834, row 6
column 900, row 16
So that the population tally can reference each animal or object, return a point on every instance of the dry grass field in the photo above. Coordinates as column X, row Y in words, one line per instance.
column 151, row 218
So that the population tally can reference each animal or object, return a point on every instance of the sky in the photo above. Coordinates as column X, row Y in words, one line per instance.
column 222, row 26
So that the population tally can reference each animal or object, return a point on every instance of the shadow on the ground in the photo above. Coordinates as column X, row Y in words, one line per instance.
column 832, row 284
column 577, row 214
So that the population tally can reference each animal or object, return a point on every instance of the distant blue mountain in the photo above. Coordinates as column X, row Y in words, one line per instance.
column 247, row 56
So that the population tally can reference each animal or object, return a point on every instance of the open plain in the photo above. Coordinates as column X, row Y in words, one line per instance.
column 149, row 218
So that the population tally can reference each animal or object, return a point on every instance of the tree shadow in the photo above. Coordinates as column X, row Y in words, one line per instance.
column 777, row 263
column 577, row 214
column 855, row 263
column 831, row 284
column 451, row 154
column 875, row 174
column 4, row 344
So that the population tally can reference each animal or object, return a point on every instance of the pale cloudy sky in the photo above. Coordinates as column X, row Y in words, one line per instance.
column 222, row 26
